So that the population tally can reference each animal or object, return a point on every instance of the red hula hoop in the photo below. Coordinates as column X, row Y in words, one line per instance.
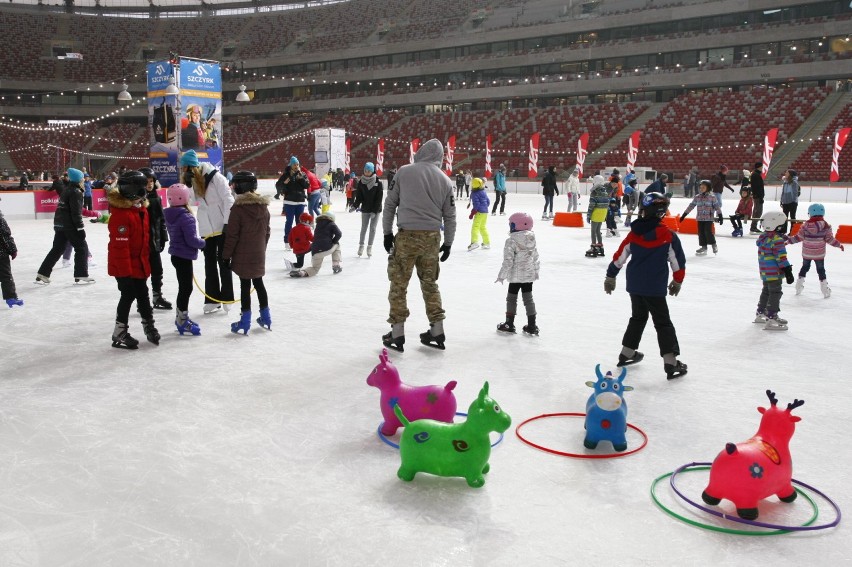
column 578, row 455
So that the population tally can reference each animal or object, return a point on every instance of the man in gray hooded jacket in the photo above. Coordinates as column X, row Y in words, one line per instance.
column 421, row 198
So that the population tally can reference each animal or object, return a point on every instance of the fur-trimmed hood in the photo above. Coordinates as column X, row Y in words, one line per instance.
column 119, row 202
column 251, row 198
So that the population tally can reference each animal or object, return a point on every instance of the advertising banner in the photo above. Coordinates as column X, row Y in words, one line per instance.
column 45, row 201
column 582, row 150
column 768, row 148
column 412, row 149
column 488, row 157
column 450, row 153
column 380, row 158
column 347, row 157
column 162, row 123
column 340, row 148
column 200, row 105
column 533, row 157
column 322, row 150
column 633, row 149
column 839, row 140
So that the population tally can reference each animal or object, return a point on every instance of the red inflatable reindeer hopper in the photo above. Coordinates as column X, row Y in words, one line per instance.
column 750, row 471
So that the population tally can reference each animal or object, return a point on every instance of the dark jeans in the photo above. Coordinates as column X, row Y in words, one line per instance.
column 499, row 198
column 293, row 212
column 183, row 268
column 156, row 270
column 789, row 211
column 133, row 289
column 314, row 202
column 459, row 190
column 7, row 282
column 214, row 269
column 245, row 293
column 756, row 213
column 806, row 266
column 770, row 298
column 737, row 220
column 705, row 233
column 548, row 202
column 658, row 308
column 77, row 238
column 87, row 203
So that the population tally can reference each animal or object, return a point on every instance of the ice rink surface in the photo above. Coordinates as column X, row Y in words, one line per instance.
column 225, row 449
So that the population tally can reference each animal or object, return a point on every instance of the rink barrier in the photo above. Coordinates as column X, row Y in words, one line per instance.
column 672, row 223
column 844, row 233
column 568, row 219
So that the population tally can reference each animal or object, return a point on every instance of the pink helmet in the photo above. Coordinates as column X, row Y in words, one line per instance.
column 178, row 195
column 520, row 221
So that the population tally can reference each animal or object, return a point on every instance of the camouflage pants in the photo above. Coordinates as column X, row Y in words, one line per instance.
column 415, row 249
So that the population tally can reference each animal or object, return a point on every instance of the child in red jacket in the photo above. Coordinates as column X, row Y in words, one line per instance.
column 129, row 257
column 300, row 239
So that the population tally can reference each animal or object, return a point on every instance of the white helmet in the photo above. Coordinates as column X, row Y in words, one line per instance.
column 773, row 220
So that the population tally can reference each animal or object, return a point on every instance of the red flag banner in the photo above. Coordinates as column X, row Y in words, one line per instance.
column 839, row 139
column 488, row 157
column 582, row 150
column 348, row 151
column 412, row 149
column 633, row 149
column 768, row 148
column 451, row 150
column 380, row 157
column 533, row 165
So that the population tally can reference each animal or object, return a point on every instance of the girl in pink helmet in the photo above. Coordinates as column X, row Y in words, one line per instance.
column 184, row 245
column 520, row 267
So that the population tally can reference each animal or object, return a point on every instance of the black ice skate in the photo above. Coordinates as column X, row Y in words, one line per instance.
column 434, row 337
column 394, row 343
column 531, row 330
column 160, row 302
column 592, row 252
column 675, row 370
column 624, row 360
column 506, row 327
column 151, row 332
column 122, row 339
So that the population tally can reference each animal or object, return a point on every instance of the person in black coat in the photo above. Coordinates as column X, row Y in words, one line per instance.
column 159, row 237
column 326, row 243
column 68, row 227
column 293, row 186
column 758, row 193
column 549, row 189
column 369, row 195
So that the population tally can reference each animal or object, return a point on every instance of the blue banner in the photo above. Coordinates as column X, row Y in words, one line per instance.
column 200, row 76
column 166, row 168
column 158, row 77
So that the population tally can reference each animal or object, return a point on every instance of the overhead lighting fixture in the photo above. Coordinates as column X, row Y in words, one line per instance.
column 172, row 88
column 243, row 96
column 124, row 95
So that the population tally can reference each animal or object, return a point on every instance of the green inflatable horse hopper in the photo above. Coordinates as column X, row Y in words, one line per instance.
column 452, row 449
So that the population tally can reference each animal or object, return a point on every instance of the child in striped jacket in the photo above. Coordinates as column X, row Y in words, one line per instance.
column 814, row 235
column 706, row 203
column 773, row 265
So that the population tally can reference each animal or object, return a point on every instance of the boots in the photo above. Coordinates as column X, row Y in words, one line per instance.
column 151, row 332
column 160, row 303
column 122, row 339
column 531, row 328
column 244, row 324
column 265, row 319
column 826, row 291
column 509, row 325
column 675, row 370
column 186, row 325
column 360, row 250
column 434, row 337
column 800, row 285
column 13, row 301
column 395, row 339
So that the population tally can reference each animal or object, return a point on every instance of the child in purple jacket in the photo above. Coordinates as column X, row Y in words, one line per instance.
column 184, row 245
column 706, row 203
column 814, row 235
column 479, row 203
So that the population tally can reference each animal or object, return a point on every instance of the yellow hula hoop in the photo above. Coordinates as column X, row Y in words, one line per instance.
column 223, row 301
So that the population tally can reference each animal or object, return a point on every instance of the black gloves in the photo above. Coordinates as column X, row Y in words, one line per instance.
column 719, row 218
column 674, row 288
column 445, row 252
column 788, row 274
column 388, row 242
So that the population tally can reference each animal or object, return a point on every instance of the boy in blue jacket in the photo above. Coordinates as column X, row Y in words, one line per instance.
column 652, row 246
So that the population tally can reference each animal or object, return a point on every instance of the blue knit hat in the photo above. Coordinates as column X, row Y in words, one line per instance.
column 189, row 159
column 75, row 175
column 369, row 166
column 294, row 161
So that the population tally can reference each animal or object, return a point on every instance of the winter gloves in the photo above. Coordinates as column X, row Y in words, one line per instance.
column 788, row 274
column 719, row 218
column 609, row 285
column 445, row 252
column 388, row 242
column 674, row 288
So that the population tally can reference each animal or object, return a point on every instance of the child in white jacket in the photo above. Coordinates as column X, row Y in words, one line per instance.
column 520, row 267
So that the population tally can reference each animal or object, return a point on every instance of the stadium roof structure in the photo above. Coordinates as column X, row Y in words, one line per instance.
column 169, row 8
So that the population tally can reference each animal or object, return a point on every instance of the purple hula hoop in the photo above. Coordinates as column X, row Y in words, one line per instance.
column 755, row 522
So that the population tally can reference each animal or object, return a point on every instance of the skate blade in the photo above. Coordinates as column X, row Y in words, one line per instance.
column 392, row 346
column 781, row 328
column 124, row 346
column 433, row 345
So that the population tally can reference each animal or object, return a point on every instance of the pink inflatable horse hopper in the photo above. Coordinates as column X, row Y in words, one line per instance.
column 748, row 472
column 417, row 402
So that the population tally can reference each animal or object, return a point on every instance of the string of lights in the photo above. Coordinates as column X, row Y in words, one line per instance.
column 22, row 149
column 88, row 88
column 16, row 124
column 90, row 154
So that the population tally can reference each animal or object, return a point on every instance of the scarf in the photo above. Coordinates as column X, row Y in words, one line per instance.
column 369, row 181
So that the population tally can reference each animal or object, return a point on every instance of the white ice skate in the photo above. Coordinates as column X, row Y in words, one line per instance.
column 826, row 291
column 800, row 285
